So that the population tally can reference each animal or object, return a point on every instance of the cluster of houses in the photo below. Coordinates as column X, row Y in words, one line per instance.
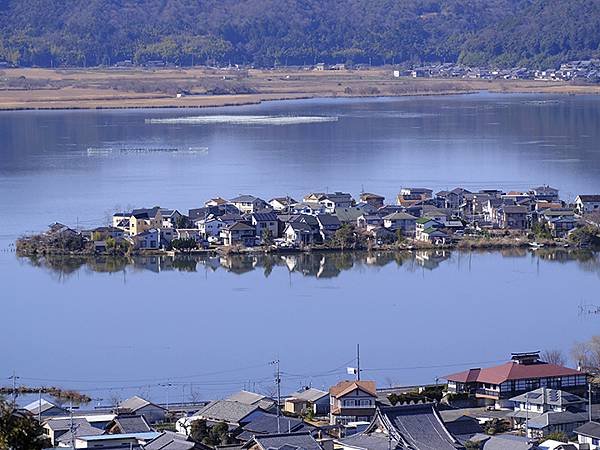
column 585, row 70
column 417, row 214
column 524, row 400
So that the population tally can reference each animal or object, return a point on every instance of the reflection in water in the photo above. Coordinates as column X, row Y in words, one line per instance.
column 313, row 264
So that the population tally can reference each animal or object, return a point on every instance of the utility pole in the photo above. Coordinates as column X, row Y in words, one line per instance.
column 357, row 362
column 72, row 427
column 40, row 405
column 14, row 379
column 278, row 383
column 527, row 415
column 590, row 400
column 167, row 385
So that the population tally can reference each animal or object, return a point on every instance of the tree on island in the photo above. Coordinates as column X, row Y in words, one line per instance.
column 345, row 237
column 184, row 244
column 267, row 237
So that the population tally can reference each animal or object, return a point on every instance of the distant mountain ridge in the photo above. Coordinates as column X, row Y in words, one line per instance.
column 536, row 33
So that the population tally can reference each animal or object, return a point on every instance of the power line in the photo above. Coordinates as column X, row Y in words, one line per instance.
column 439, row 366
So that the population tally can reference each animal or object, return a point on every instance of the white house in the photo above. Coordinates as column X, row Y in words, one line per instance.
column 299, row 233
column 585, row 204
column 312, row 208
column 589, row 433
column 308, row 399
column 281, row 203
column 336, row 200
column 147, row 240
column 210, row 226
column 248, row 203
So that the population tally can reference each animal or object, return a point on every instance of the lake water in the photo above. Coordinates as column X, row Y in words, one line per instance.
column 113, row 329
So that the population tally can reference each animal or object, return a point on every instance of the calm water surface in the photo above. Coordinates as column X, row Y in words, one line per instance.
column 216, row 324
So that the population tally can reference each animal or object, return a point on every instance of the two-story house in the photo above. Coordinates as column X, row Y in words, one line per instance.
column 211, row 226
column 265, row 223
column 425, row 223
column 525, row 372
column 138, row 220
column 545, row 192
column 352, row 401
column 336, row 200
column 239, row 233
column 328, row 225
column 545, row 410
column 400, row 221
column 586, row 204
column 512, row 217
column 589, row 434
column 372, row 199
column 248, row 204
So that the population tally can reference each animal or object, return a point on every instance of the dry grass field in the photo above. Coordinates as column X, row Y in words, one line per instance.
column 141, row 88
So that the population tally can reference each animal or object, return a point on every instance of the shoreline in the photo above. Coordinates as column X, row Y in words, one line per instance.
column 55, row 90
column 494, row 244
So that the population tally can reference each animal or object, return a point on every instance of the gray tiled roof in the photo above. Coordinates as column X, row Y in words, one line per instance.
column 266, row 423
column 226, row 410
column 35, row 406
column 134, row 403
column 81, row 429
column 505, row 442
column 419, row 425
column 546, row 396
column 65, row 423
column 246, row 397
column 245, row 199
column 264, row 216
column 591, row 429
column 302, row 441
column 556, row 418
column 328, row 219
column 399, row 216
column 131, row 424
column 169, row 440
column 373, row 441
column 310, row 394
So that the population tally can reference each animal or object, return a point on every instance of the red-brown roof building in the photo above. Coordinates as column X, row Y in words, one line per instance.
column 352, row 401
column 524, row 373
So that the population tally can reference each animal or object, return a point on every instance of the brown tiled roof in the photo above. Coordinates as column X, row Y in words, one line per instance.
column 511, row 371
column 344, row 387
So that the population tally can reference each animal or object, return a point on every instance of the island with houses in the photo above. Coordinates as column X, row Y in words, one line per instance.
column 417, row 218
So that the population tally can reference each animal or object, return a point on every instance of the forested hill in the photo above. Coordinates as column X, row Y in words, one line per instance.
column 536, row 33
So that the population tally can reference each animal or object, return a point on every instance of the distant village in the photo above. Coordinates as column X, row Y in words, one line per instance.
column 417, row 219
column 525, row 403
column 585, row 70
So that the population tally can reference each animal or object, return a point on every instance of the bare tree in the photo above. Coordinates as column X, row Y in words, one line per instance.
column 580, row 353
column 554, row 357
column 594, row 349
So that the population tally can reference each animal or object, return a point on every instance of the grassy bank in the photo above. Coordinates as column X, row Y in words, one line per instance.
column 137, row 88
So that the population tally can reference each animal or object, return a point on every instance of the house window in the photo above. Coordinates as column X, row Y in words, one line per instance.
column 595, row 441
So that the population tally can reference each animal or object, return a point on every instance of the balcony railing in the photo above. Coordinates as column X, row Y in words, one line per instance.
column 488, row 392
